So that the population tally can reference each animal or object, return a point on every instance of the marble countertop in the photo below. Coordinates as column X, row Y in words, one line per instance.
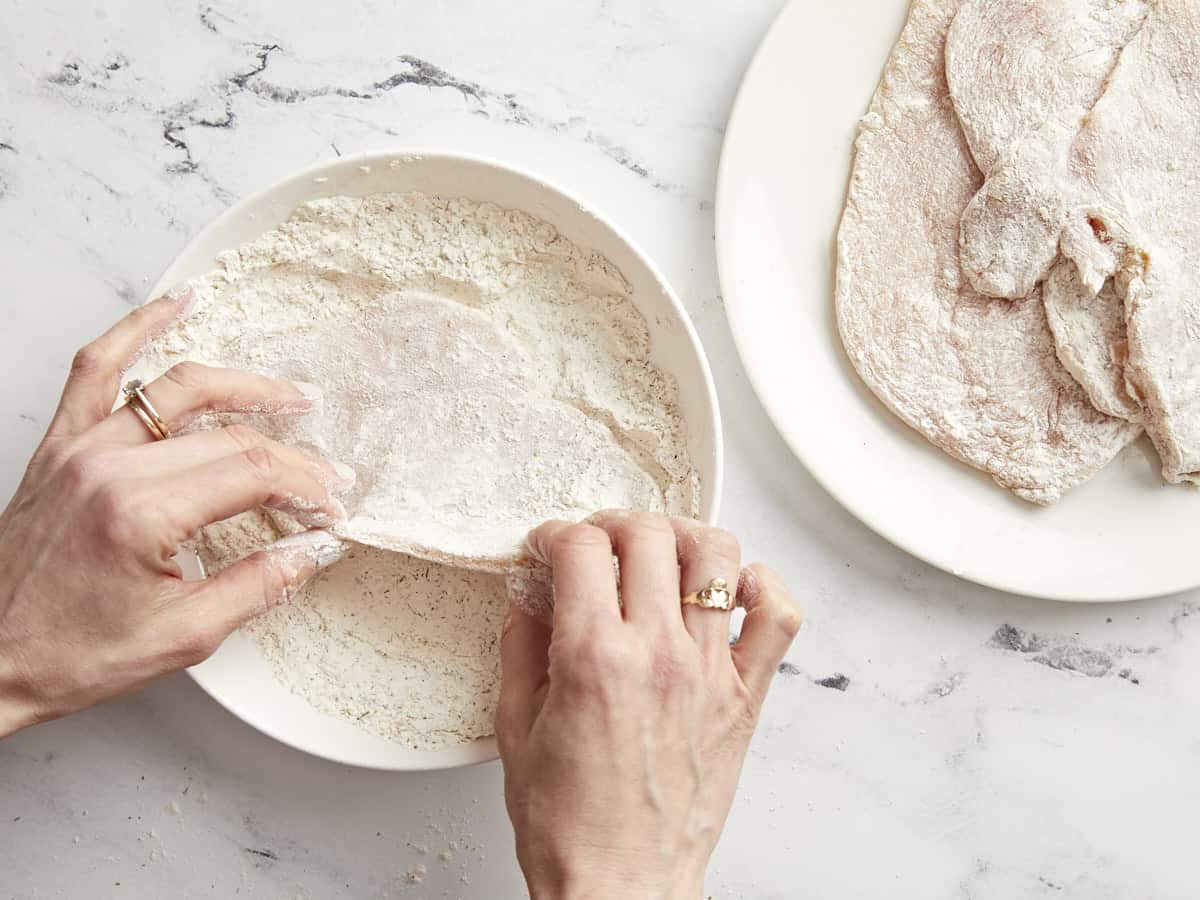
column 926, row 738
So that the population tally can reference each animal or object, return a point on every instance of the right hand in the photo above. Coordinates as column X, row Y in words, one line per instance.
column 623, row 728
column 91, row 603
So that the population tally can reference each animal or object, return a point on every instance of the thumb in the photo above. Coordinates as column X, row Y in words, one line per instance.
column 524, row 669
column 771, row 624
column 263, row 580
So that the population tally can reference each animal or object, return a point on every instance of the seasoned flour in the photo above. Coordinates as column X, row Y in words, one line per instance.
column 481, row 374
column 405, row 648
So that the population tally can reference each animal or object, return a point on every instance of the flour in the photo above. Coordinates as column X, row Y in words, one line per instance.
column 404, row 648
column 481, row 374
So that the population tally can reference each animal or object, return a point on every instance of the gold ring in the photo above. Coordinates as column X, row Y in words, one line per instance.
column 136, row 399
column 716, row 596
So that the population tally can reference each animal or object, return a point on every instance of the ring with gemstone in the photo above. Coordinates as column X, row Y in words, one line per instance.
column 716, row 596
column 136, row 400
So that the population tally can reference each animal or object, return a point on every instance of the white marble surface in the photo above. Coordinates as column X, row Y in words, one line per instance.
column 921, row 742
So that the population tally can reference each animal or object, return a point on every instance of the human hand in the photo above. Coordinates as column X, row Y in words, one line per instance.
column 623, row 728
column 91, row 603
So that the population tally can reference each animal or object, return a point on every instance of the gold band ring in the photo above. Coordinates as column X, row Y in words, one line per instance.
column 136, row 400
column 716, row 596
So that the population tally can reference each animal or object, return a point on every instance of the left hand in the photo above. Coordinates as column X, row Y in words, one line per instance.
column 91, row 603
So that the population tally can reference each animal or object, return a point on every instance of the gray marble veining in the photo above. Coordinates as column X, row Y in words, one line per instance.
column 925, row 738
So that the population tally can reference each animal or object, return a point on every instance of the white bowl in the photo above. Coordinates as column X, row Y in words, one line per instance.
column 236, row 676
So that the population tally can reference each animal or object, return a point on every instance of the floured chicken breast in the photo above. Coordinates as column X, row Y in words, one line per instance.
column 452, row 437
column 1137, row 162
column 1023, row 76
column 977, row 377
column 481, row 373
column 1089, row 333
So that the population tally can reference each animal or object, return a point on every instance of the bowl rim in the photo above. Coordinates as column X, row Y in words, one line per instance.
column 482, row 750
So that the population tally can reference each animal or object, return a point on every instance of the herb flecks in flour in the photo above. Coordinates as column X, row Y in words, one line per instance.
column 404, row 648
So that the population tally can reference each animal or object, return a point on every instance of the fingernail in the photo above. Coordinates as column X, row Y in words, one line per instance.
column 532, row 548
column 313, row 394
column 319, row 548
column 189, row 297
column 339, row 510
column 309, row 514
column 336, row 477
column 344, row 472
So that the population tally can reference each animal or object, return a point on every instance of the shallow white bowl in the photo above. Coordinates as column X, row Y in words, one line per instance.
column 236, row 676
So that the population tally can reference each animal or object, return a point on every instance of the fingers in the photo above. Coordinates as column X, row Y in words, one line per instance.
column 585, row 586
column 188, row 390
column 96, row 370
column 530, row 585
column 645, row 545
column 190, row 450
column 705, row 554
column 524, row 670
column 772, row 622
column 217, row 490
column 210, row 610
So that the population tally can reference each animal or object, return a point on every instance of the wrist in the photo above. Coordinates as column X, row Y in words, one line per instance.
column 18, row 708
column 615, row 879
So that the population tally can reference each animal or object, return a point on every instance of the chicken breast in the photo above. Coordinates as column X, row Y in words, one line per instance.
column 454, row 442
column 1090, row 338
column 1137, row 163
column 979, row 378
column 1023, row 75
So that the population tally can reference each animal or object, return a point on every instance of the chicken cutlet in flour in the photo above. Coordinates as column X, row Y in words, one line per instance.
column 1089, row 333
column 1137, row 162
column 1023, row 75
column 978, row 377
column 1123, row 301
column 458, row 448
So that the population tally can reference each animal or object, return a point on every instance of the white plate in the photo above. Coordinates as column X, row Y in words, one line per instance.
column 781, row 188
column 237, row 676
